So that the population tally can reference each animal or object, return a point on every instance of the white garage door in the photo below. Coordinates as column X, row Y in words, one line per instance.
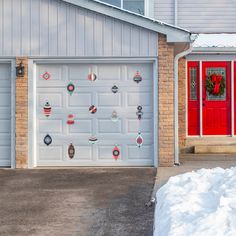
column 106, row 121
column 5, row 114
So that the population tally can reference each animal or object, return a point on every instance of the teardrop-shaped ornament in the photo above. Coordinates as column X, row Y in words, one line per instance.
column 116, row 152
column 114, row 89
column 47, row 139
column 70, row 88
column 92, row 77
column 71, row 151
column 70, row 119
column 139, row 140
column 46, row 76
column 93, row 140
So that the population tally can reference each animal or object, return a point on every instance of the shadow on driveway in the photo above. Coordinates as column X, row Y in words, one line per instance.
column 82, row 202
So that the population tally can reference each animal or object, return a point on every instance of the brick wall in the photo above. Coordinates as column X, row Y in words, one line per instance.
column 166, row 102
column 22, row 116
column 182, row 102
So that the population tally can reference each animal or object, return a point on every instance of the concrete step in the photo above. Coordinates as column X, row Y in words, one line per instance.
column 207, row 157
column 215, row 149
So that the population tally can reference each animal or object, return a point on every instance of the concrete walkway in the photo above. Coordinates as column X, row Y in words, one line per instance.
column 192, row 162
column 81, row 202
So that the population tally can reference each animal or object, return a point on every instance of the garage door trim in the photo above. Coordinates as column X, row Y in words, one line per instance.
column 32, row 161
column 12, row 63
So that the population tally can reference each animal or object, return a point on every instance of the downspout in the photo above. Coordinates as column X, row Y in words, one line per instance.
column 176, row 102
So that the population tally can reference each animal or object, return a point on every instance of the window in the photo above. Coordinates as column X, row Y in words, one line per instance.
column 136, row 6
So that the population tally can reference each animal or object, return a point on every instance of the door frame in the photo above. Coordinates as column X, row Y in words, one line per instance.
column 12, row 63
column 32, row 127
column 232, row 73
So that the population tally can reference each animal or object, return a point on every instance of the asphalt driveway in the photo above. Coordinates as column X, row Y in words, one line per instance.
column 76, row 202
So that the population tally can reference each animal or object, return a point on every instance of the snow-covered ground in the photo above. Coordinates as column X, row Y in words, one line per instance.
column 197, row 203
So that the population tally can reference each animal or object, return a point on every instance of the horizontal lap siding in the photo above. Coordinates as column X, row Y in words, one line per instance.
column 202, row 16
column 54, row 28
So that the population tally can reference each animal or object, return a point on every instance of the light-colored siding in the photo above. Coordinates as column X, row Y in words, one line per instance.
column 51, row 28
column 201, row 16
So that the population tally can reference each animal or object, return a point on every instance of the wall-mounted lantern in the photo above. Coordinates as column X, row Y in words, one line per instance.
column 20, row 70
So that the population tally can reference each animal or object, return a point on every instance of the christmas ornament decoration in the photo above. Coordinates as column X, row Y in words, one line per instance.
column 47, row 140
column 114, row 89
column 93, row 109
column 215, row 84
column 70, row 88
column 116, row 152
column 92, row 77
column 139, row 113
column 93, row 140
column 71, row 151
column 70, row 119
column 139, row 140
column 47, row 109
column 114, row 116
column 137, row 78
column 46, row 76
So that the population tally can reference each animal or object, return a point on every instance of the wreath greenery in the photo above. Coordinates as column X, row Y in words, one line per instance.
column 215, row 84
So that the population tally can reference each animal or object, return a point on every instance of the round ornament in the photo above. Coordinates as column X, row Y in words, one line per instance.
column 139, row 112
column 116, row 152
column 215, row 84
column 46, row 76
column 139, row 140
column 71, row 151
column 93, row 140
column 70, row 88
column 137, row 78
column 114, row 89
column 92, row 109
column 92, row 77
column 47, row 140
column 47, row 109
column 70, row 119
column 114, row 116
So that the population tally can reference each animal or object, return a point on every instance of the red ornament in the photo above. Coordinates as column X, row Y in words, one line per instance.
column 92, row 109
column 139, row 140
column 47, row 109
column 92, row 77
column 116, row 152
column 46, row 76
column 70, row 119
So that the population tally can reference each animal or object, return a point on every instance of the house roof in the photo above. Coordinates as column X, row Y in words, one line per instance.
column 173, row 33
column 215, row 43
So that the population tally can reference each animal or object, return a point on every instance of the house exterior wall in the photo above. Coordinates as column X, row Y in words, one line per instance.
column 166, row 102
column 202, row 16
column 45, row 28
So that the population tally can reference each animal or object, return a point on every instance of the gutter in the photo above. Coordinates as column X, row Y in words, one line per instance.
column 176, row 101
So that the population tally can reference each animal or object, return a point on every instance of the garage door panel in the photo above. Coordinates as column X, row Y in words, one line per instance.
column 55, row 72
column 5, row 99
column 140, row 153
column 141, row 98
column 80, row 100
column 50, row 126
column 109, row 72
column 55, row 99
column 108, row 126
column 109, row 99
column 5, row 126
column 50, row 153
column 145, row 127
column 5, row 71
column 4, row 150
column 123, row 132
column 81, row 126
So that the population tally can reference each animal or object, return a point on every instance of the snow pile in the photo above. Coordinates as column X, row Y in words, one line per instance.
column 197, row 203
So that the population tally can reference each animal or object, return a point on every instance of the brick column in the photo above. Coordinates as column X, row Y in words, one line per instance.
column 166, row 102
column 22, row 116
column 182, row 102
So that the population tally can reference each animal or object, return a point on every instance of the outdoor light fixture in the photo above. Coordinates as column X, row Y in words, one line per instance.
column 20, row 70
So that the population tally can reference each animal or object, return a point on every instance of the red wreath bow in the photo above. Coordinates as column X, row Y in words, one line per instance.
column 216, row 80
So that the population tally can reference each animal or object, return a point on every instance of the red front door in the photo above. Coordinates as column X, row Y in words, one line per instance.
column 216, row 110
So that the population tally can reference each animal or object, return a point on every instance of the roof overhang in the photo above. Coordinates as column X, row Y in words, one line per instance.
column 174, row 34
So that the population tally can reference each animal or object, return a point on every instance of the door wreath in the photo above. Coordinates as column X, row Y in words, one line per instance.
column 215, row 84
